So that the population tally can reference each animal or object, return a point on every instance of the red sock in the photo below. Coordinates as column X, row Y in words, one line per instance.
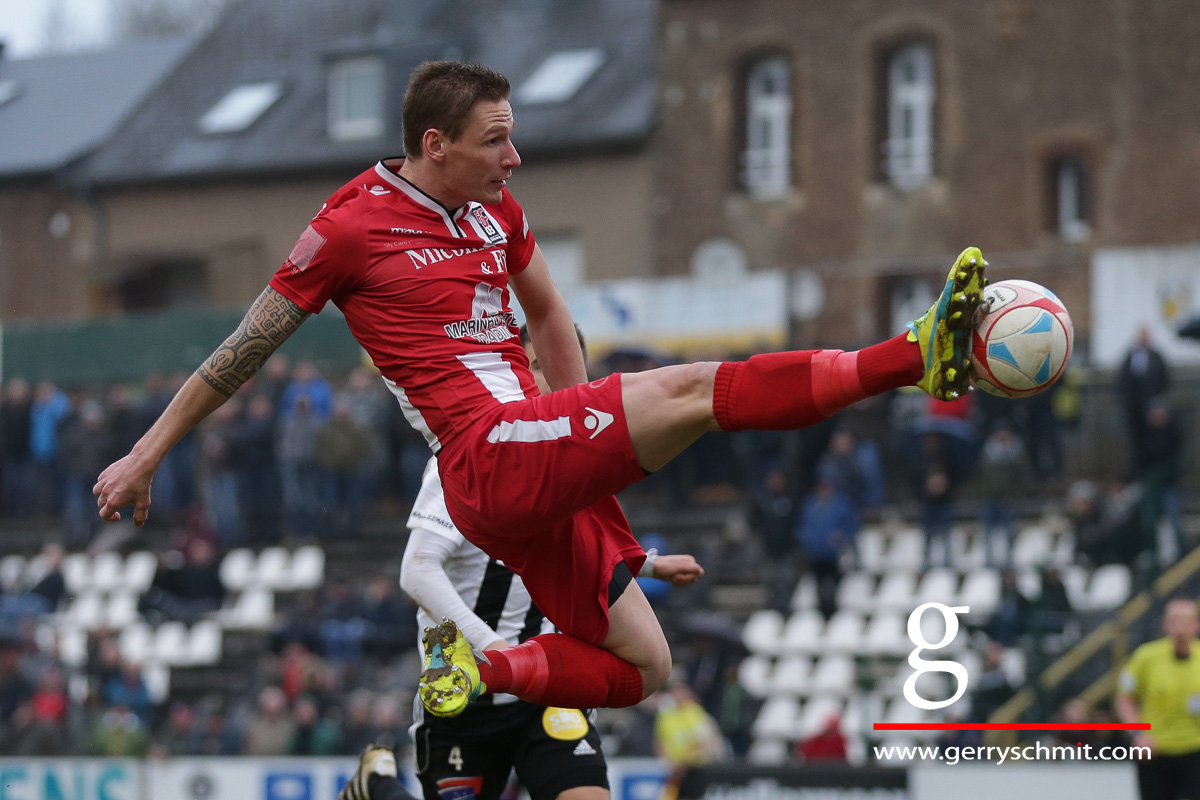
column 556, row 670
column 786, row 391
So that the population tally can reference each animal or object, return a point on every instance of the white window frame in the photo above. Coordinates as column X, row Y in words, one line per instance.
column 1070, row 184
column 342, row 127
column 767, row 159
column 911, row 92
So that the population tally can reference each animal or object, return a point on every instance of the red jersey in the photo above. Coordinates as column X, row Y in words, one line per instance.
column 424, row 290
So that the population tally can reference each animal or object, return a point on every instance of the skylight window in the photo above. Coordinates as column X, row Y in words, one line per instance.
column 560, row 76
column 9, row 90
column 241, row 108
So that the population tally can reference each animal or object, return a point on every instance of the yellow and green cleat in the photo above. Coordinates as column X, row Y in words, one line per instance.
column 945, row 331
column 450, row 680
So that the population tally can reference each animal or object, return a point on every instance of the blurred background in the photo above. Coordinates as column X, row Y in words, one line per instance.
column 707, row 179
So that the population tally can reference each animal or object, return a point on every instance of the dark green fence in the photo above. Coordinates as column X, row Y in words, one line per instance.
column 128, row 348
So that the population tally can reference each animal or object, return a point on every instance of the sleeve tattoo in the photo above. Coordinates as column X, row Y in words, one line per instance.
column 268, row 323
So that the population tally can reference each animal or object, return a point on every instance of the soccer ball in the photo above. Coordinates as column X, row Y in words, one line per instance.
column 1024, row 342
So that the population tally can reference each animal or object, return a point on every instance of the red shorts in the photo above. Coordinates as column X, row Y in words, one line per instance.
column 532, row 484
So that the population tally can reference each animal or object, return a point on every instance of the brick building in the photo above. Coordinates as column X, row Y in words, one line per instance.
column 866, row 142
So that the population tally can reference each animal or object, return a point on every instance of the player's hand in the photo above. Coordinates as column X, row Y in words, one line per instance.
column 499, row 644
column 680, row 570
column 1144, row 739
column 125, row 482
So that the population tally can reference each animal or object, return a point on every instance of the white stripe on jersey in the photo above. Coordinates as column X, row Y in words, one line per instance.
column 530, row 430
column 413, row 415
column 495, row 374
column 420, row 198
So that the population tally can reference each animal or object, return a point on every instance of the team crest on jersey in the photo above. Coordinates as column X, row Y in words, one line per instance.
column 564, row 724
column 487, row 227
column 460, row 788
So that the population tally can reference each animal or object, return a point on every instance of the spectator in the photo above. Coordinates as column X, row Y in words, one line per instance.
column 15, row 690
column 359, row 730
column 309, row 387
column 85, row 449
column 313, row 735
column 828, row 529
column 935, row 493
column 218, row 472
column 344, row 455
column 178, row 735
column 217, row 737
column 16, row 459
column 50, row 407
column 390, row 729
column 270, row 731
column 391, row 623
column 370, row 406
column 994, row 687
column 1003, row 476
column 301, row 671
column 1143, row 375
column 185, row 588
column 1051, row 611
column 1011, row 619
column 737, row 714
column 120, row 733
column 51, row 586
column 253, row 443
column 129, row 691
column 296, row 450
column 773, row 518
column 827, row 745
column 1158, row 453
column 841, row 465
column 342, row 625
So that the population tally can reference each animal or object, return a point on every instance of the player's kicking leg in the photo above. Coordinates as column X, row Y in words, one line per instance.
column 376, row 777
column 667, row 409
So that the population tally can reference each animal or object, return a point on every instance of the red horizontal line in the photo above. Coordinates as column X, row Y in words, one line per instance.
column 1006, row 726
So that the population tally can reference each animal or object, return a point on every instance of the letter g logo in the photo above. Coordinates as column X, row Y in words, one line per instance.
column 917, row 636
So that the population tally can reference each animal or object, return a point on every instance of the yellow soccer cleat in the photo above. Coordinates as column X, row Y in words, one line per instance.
column 375, row 760
column 945, row 331
column 450, row 680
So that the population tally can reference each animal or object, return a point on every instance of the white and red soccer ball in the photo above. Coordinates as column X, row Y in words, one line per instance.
column 1024, row 342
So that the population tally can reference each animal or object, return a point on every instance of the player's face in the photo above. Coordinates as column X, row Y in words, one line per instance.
column 535, row 367
column 483, row 158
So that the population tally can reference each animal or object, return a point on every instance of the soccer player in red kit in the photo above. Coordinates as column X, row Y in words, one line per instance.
column 420, row 253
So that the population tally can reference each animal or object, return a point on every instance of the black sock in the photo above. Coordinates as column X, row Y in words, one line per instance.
column 385, row 787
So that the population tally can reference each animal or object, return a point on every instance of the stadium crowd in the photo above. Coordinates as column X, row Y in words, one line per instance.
column 299, row 457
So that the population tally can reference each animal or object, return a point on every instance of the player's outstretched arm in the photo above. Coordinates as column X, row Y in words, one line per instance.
column 551, row 328
column 680, row 570
column 269, row 322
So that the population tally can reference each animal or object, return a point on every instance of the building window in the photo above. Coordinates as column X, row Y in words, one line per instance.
column 766, row 161
column 356, row 99
column 163, row 285
column 1069, row 202
column 241, row 107
column 908, row 142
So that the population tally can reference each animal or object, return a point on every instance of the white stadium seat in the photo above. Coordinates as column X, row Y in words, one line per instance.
column 204, row 643
column 135, row 642
column 815, row 714
column 777, row 718
column 833, row 675
column 887, row 635
column 1032, row 547
column 871, row 543
column 107, row 571
column 170, row 642
column 272, row 568
column 139, row 571
column 307, row 568
column 805, row 596
column 86, row 611
column 237, row 569
column 802, row 634
column 762, row 632
column 754, row 673
column 897, row 592
column 967, row 550
column 844, row 633
column 769, row 752
column 1075, row 580
column 980, row 592
column 907, row 551
column 254, row 609
column 72, row 647
column 12, row 574
column 77, row 573
column 856, row 591
column 938, row 586
column 1109, row 588
column 791, row 676
column 157, row 678
column 121, row 610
